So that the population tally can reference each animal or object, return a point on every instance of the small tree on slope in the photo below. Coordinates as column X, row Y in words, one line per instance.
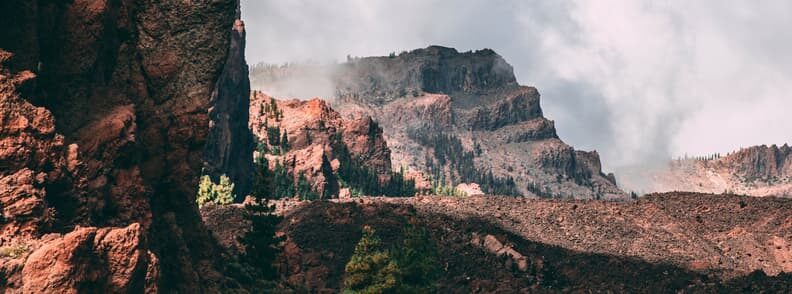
column 371, row 269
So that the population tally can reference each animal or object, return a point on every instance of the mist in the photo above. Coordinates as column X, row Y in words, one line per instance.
column 639, row 81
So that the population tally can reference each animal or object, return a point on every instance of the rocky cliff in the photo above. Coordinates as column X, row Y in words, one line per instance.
column 757, row 171
column 310, row 138
column 103, row 116
column 229, row 148
column 429, row 98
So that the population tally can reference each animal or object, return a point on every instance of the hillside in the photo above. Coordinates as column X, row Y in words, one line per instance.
column 695, row 243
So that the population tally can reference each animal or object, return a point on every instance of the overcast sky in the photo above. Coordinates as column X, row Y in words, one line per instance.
column 639, row 81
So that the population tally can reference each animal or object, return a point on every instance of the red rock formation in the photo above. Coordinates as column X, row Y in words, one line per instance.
column 311, row 127
column 105, row 145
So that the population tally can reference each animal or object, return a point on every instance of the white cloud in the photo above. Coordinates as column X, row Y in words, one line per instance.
column 640, row 81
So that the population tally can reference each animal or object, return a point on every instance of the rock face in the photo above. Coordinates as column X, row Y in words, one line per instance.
column 757, row 171
column 229, row 148
column 317, row 136
column 103, row 120
column 472, row 97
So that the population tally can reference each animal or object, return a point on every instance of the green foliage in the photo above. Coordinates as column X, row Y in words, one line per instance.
column 273, row 135
column 304, row 189
column 278, row 183
column 261, row 244
column 441, row 189
column 418, row 262
column 371, row 268
column 284, row 142
column 14, row 251
column 410, row 267
column 221, row 193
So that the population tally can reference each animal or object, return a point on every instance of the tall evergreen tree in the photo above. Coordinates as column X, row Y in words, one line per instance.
column 418, row 262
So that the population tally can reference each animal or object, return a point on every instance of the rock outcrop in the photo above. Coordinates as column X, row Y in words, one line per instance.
column 472, row 97
column 229, row 148
column 756, row 171
column 317, row 136
column 103, row 121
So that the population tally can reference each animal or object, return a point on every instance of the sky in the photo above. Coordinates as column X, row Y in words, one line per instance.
column 639, row 81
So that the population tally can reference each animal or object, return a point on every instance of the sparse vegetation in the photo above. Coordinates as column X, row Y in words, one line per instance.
column 14, row 251
column 221, row 193
column 355, row 175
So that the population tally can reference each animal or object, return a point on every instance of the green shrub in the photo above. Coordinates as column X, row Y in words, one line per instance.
column 209, row 192
column 371, row 269
column 14, row 251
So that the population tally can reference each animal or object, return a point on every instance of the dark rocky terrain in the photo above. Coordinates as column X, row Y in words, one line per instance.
column 669, row 243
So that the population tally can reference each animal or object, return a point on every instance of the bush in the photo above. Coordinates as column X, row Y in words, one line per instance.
column 371, row 269
column 14, row 251
column 220, row 194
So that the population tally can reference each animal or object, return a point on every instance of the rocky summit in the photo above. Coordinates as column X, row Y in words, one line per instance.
column 461, row 118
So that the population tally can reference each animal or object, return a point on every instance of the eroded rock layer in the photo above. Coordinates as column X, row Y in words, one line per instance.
column 436, row 95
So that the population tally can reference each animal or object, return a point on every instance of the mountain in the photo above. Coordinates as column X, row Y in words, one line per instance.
column 756, row 171
column 460, row 118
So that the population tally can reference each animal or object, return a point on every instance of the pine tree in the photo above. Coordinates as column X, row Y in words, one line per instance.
column 261, row 244
column 262, row 181
column 371, row 269
column 284, row 142
column 417, row 261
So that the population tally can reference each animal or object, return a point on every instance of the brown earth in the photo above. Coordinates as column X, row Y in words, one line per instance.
column 677, row 242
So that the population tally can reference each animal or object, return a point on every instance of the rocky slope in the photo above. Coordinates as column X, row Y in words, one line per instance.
column 103, row 121
column 319, row 141
column 437, row 98
column 756, row 171
column 693, row 243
